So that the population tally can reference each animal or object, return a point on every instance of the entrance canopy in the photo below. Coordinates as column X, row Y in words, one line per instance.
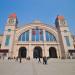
column 4, row 50
column 71, row 51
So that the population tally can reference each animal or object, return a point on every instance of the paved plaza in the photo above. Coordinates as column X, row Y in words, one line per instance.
column 32, row 67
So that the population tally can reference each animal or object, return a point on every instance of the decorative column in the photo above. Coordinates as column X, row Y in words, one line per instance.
column 29, row 46
column 30, row 34
column 44, row 42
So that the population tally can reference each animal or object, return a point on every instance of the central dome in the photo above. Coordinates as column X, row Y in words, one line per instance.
column 36, row 21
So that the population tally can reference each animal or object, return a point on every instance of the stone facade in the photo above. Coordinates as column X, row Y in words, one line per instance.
column 1, row 36
column 59, row 48
column 73, row 40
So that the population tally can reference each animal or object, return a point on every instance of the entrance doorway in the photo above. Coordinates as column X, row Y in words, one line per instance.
column 52, row 52
column 37, row 53
column 22, row 52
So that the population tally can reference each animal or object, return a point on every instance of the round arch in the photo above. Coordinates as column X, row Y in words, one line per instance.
column 22, row 52
column 48, row 28
column 52, row 52
column 37, row 52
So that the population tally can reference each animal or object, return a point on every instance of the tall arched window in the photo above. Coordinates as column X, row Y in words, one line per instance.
column 67, row 40
column 24, row 36
column 7, row 41
column 37, row 35
column 50, row 36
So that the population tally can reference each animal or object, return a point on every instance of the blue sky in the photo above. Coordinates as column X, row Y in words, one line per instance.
column 44, row 10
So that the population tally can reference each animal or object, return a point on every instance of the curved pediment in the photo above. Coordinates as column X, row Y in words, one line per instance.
column 36, row 25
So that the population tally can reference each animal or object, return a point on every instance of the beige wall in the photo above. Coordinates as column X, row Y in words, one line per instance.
column 1, row 38
column 63, row 30
column 73, row 40
column 11, row 33
column 15, row 44
column 30, row 49
column 31, row 45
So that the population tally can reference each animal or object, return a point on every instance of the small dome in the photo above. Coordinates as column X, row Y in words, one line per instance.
column 36, row 21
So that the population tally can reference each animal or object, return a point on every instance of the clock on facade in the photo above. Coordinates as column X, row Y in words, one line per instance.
column 11, row 21
column 62, row 22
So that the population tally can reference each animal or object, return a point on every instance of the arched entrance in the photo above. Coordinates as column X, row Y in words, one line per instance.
column 37, row 52
column 52, row 52
column 22, row 52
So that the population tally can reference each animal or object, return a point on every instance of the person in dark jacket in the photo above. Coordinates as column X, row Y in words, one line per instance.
column 44, row 60
column 39, row 60
column 20, row 59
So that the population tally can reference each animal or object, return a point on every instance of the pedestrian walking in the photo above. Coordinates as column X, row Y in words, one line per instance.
column 39, row 60
column 17, row 58
column 44, row 60
column 20, row 59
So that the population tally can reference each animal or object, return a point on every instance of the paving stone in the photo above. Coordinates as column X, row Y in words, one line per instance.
column 32, row 67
